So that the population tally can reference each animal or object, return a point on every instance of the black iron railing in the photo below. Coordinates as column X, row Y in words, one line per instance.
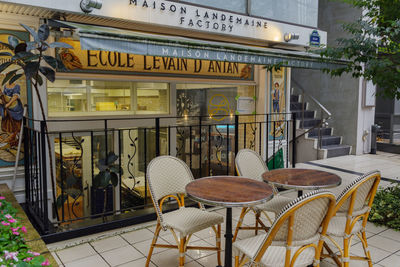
column 123, row 148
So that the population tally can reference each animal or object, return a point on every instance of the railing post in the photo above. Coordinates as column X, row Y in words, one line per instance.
column 157, row 137
column 294, row 140
column 27, row 159
column 236, row 134
column 106, row 140
column 43, row 177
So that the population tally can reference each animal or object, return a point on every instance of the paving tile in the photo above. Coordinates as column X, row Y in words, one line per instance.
column 169, row 258
column 375, row 229
column 376, row 253
column 197, row 253
column 92, row 261
column 211, row 260
column 75, row 253
column 392, row 234
column 391, row 261
column 138, row 236
column 137, row 263
column 121, row 255
column 384, row 243
column 144, row 246
column 109, row 244
column 56, row 258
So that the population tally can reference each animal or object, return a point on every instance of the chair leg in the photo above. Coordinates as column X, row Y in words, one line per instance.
column 218, row 234
column 365, row 247
column 346, row 252
column 182, row 252
column 156, row 233
column 236, row 261
column 257, row 218
column 239, row 224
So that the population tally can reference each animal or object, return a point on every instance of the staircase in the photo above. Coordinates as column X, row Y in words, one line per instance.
column 331, row 145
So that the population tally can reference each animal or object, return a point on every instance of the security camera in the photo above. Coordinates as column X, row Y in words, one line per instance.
column 87, row 6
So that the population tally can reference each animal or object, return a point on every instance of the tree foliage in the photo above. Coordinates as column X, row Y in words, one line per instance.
column 372, row 47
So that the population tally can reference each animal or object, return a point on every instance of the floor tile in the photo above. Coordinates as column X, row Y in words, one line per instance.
column 75, row 253
column 375, row 229
column 144, row 246
column 169, row 258
column 56, row 258
column 138, row 236
column 137, row 263
column 211, row 260
column 392, row 261
column 197, row 253
column 170, row 238
column 384, row 243
column 121, row 255
column 376, row 253
column 92, row 261
column 392, row 234
column 109, row 244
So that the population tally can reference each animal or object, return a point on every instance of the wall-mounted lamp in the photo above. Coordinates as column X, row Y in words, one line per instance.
column 290, row 36
column 87, row 6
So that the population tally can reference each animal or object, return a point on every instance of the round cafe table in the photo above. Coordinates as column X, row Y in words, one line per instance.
column 229, row 191
column 301, row 179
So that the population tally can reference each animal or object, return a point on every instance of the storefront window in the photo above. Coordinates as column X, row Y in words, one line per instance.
column 86, row 98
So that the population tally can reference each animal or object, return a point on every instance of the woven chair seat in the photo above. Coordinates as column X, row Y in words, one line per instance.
column 276, row 204
column 337, row 226
column 190, row 220
column 275, row 255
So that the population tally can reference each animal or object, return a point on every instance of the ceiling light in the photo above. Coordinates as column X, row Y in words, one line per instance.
column 87, row 6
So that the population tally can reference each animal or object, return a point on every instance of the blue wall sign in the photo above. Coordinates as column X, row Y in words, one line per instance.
column 315, row 38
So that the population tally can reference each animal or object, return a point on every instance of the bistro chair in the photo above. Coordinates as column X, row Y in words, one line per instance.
column 294, row 238
column 249, row 164
column 350, row 218
column 167, row 178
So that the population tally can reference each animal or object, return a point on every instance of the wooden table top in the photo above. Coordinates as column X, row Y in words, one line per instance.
column 302, row 179
column 229, row 191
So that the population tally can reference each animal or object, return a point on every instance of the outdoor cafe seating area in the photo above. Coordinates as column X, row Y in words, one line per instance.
column 317, row 224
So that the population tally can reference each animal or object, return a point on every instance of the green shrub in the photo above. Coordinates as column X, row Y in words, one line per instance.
column 13, row 250
column 386, row 207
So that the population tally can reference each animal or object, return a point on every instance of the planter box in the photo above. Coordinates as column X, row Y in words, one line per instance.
column 32, row 237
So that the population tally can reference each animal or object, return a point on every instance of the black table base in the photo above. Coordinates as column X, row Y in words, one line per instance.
column 228, row 238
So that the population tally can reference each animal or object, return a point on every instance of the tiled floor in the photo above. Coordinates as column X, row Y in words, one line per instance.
column 129, row 246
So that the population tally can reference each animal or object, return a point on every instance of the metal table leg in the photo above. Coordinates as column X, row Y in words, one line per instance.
column 228, row 238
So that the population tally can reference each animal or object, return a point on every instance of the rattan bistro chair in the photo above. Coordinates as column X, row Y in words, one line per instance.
column 294, row 238
column 167, row 178
column 351, row 215
column 249, row 164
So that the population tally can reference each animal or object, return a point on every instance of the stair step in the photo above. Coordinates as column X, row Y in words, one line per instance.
column 315, row 132
column 308, row 123
column 294, row 98
column 328, row 140
column 296, row 106
column 309, row 114
column 337, row 150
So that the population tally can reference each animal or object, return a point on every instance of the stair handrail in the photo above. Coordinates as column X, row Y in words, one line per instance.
column 322, row 108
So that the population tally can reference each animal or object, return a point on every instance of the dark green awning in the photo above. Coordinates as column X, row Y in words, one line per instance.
column 124, row 41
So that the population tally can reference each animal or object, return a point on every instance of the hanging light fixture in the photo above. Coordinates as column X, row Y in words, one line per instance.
column 87, row 6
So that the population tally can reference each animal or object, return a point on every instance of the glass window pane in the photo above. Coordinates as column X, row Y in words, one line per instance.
column 110, row 96
column 67, row 96
column 152, row 98
column 232, row 5
column 304, row 12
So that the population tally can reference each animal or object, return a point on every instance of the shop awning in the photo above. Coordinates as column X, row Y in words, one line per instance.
column 112, row 39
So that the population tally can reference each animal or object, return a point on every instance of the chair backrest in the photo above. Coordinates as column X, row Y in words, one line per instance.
column 249, row 164
column 299, row 222
column 361, row 192
column 167, row 175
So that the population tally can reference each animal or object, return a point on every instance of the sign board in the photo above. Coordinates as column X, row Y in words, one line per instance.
column 245, row 105
column 88, row 60
column 315, row 39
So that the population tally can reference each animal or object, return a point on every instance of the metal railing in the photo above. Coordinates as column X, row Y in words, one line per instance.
column 207, row 144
